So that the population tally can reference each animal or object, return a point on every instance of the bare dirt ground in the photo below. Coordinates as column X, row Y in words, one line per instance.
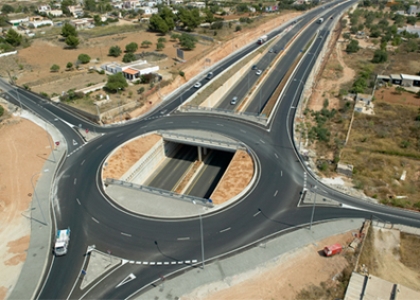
column 127, row 155
column 387, row 256
column 331, row 80
column 390, row 95
column 24, row 149
column 282, row 279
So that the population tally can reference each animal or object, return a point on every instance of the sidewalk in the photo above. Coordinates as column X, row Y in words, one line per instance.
column 38, row 253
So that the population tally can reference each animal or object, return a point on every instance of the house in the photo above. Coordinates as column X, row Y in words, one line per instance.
column 17, row 22
column 131, row 71
column 40, row 23
column 82, row 23
column 345, row 169
column 44, row 8
column 150, row 10
column 131, row 4
column 197, row 4
column 55, row 12
column 413, row 10
column 76, row 10
column 395, row 79
column 364, row 104
column 410, row 29
column 410, row 80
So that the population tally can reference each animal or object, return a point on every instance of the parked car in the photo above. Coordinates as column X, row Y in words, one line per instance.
column 197, row 85
column 234, row 100
column 259, row 72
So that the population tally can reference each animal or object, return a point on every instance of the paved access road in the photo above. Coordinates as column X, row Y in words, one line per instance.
column 269, row 207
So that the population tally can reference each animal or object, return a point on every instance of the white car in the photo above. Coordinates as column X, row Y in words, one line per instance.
column 197, row 85
column 259, row 72
column 234, row 100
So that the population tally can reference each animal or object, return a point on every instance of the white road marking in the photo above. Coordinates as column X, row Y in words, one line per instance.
column 262, row 141
column 173, row 262
column 275, row 194
column 82, row 162
column 130, row 277
column 95, row 220
column 275, row 154
column 169, row 122
column 226, row 229
column 195, row 122
column 138, row 262
column 166, row 263
column 194, row 261
column 74, row 181
column 145, row 263
column 220, row 125
column 152, row 263
column 98, row 147
column 281, row 173
column 257, row 213
column 243, row 131
column 180, row 262
column 120, row 134
column 159, row 263
column 78, row 201
column 183, row 238
column 187, row 261
column 126, row 234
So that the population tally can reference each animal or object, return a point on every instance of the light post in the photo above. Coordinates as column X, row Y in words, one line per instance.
column 36, row 198
column 313, row 210
column 119, row 93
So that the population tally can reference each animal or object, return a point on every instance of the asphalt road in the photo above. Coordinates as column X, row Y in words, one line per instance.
column 269, row 207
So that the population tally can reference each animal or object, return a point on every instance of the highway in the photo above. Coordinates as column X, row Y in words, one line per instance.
column 275, row 195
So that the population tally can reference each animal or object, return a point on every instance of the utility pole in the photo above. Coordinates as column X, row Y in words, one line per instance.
column 313, row 210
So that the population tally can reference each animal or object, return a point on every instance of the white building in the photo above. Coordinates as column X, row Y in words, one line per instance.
column 131, row 71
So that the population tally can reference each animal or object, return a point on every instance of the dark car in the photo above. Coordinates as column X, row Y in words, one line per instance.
column 254, row 67
column 209, row 75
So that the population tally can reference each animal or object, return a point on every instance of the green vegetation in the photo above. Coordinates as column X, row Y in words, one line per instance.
column 131, row 48
column 69, row 66
column 116, row 82
column 187, row 41
column 72, row 41
column 1, row 111
column 55, row 68
column 68, row 30
column 13, row 38
column 129, row 57
column 83, row 58
column 380, row 56
column 353, row 46
column 7, row 9
column 114, row 51
column 160, row 46
column 146, row 44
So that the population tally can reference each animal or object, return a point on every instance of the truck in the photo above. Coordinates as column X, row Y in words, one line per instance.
column 62, row 240
column 262, row 39
column 320, row 20
column 332, row 250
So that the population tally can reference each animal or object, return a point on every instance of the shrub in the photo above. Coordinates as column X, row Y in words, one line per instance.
column 129, row 57
column 83, row 58
column 380, row 56
column 114, row 51
column 55, row 68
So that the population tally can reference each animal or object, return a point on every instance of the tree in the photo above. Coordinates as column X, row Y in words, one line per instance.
column 187, row 41
column 189, row 18
column 116, row 82
column 157, row 24
column 7, row 9
column 69, row 66
column 380, row 56
column 131, row 48
column 161, row 40
column 68, row 30
column 146, row 44
column 238, row 28
column 72, row 41
column 174, row 36
column 353, row 46
column 55, row 68
column 160, row 46
column 140, row 90
column 114, row 51
column 83, row 58
column 129, row 57
column 411, row 45
column 13, row 38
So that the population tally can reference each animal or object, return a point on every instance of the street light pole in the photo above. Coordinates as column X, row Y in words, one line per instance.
column 313, row 210
column 18, row 99
column 36, row 198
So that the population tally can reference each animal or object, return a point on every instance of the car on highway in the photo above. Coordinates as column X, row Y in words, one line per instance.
column 254, row 67
column 259, row 72
column 197, row 85
column 234, row 100
column 271, row 51
column 209, row 76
